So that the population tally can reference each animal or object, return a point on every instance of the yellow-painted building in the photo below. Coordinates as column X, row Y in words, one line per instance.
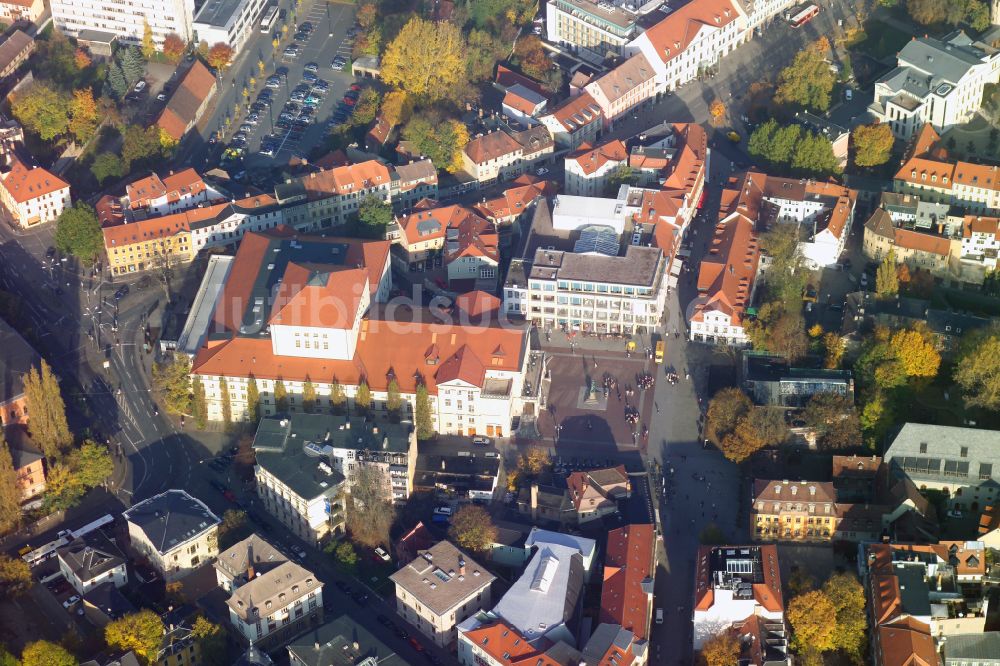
column 148, row 244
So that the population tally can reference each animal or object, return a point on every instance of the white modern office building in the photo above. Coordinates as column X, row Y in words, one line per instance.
column 228, row 22
column 125, row 18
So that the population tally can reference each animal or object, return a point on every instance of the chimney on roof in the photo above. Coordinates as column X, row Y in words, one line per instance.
column 250, row 572
column 461, row 566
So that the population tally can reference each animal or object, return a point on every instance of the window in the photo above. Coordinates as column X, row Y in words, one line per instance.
column 964, row 453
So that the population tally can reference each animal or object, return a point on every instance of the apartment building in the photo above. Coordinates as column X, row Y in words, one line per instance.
column 760, row 13
column 29, row 464
column 276, row 604
column 981, row 240
column 32, row 195
column 174, row 532
column 474, row 374
column 627, row 590
column 593, row 30
column 188, row 102
column 575, row 121
column 91, row 560
column 597, row 493
column 345, row 641
column 960, row 462
column 514, row 203
column 727, row 276
column 918, row 248
column 244, row 561
column 154, row 196
column 624, row 88
column 409, row 183
column 771, row 380
column 734, row 583
column 691, row 40
column 126, row 19
column 331, row 197
column 588, row 170
column 928, row 172
column 586, row 290
column 229, row 22
column 439, row 589
column 12, row 11
column 454, row 236
column 521, row 104
column 297, row 484
column 347, row 443
column 809, row 511
column 156, row 243
column 504, row 155
column 936, row 81
column 920, row 594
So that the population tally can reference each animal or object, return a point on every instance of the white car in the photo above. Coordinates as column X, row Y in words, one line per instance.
column 481, row 441
column 443, row 511
column 954, row 513
column 659, row 616
column 72, row 600
column 140, row 86
column 382, row 554
column 541, row 171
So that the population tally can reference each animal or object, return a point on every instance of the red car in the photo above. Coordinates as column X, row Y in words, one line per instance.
column 350, row 101
column 356, row 86
column 228, row 494
column 415, row 644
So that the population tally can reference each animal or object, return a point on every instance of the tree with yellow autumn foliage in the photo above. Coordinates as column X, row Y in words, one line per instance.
column 426, row 59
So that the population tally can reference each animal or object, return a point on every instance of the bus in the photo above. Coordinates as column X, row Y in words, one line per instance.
column 268, row 18
column 803, row 15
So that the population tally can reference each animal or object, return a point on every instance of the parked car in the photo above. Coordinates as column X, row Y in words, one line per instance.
column 311, row 67
column 481, row 441
column 338, row 63
column 273, row 81
column 72, row 600
column 659, row 616
column 122, row 292
column 415, row 644
column 382, row 554
column 139, row 86
column 443, row 511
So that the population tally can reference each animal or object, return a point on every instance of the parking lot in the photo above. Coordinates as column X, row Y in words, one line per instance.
column 300, row 91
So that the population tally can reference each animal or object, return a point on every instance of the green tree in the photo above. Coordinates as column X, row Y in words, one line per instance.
column 374, row 217
column 10, row 490
column 42, row 110
column 363, row 397
column 227, row 405
column 140, row 145
column 848, row 598
column 366, row 107
column 91, row 464
column 623, row 174
column 977, row 369
column 199, row 404
column 887, row 278
column 253, row 400
column 422, row 413
column 78, row 232
column 834, row 419
column 45, row 653
column 7, row 659
column 308, row 397
column 148, row 45
column 393, row 400
column 711, row 536
column 876, row 418
column 212, row 641
column 472, row 529
column 280, row 396
column 55, row 60
column 15, row 576
column 141, row 632
column 808, row 81
column 814, row 156
column 338, row 399
column 49, row 428
column 172, row 383
column 872, row 144
column 132, row 63
column 234, row 522
column 346, row 555
column 116, row 86
column 106, row 166
column 425, row 59
column 482, row 53
column 442, row 140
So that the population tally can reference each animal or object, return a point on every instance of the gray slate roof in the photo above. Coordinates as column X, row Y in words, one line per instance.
column 90, row 556
column 234, row 560
column 16, row 358
column 336, row 641
column 435, row 577
column 943, row 448
column 171, row 518
column 973, row 646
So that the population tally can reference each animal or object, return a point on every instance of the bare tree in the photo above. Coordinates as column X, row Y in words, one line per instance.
column 370, row 511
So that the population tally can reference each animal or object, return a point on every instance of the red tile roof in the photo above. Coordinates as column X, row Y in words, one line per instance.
column 183, row 183
column 507, row 77
column 906, row 642
column 25, row 184
column 344, row 180
column 499, row 639
column 628, row 578
column 674, row 34
column 477, row 303
column 767, row 594
column 728, row 271
column 578, row 112
column 491, row 146
column 591, row 159
column 515, row 200
column 182, row 109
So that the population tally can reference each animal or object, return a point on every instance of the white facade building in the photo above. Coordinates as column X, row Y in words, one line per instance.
column 228, row 22
column 588, row 171
column 936, row 81
column 981, row 240
column 126, row 18
column 733, row 583
column 88, row 561
column 592, row 29
column 691, row 40
column 174, row 532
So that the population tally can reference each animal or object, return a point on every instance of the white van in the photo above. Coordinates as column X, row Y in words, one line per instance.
column 659, row 616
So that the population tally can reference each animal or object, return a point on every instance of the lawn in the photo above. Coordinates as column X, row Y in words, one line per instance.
column 879, row 40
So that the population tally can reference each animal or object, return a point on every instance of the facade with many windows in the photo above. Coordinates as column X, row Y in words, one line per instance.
column 126, row 19
column 593, row 29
